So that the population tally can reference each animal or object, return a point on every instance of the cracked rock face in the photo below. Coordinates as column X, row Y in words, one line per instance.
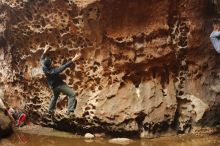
column 147, row 67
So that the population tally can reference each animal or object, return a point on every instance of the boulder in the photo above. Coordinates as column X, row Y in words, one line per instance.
column 5, row 125
column 89, row 136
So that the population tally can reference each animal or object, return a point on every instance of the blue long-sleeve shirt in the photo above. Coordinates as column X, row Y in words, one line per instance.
column 214, row 36
column 52, row 74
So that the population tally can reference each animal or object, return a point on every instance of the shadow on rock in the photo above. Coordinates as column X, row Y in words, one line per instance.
column 5, row 125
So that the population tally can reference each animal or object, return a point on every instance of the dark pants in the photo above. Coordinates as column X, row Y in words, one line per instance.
column 67, row 91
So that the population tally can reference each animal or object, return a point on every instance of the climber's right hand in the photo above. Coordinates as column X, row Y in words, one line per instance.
column 46, row 49
column 77, row 56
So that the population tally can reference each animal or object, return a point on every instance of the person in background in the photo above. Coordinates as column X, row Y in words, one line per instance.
column 215, row 35
column 17, row 116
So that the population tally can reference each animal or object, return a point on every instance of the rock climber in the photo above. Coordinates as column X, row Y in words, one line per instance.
column 56, row 82
column 17, row 116
column 215, row 35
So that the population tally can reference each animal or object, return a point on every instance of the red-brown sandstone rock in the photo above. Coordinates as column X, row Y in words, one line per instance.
column 147, row 66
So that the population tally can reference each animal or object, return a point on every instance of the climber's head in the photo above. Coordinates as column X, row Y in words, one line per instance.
column 47, row 62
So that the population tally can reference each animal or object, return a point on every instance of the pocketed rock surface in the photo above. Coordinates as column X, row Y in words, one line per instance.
column 148, row 67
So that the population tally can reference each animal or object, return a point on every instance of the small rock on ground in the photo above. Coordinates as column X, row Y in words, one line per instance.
column 122, row 141
column 89, row 135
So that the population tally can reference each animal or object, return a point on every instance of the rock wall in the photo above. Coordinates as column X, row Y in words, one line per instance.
column 5, row 125
column 147, row 67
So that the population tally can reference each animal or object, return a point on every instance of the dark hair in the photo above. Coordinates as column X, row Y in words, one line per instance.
column 216, row 21
column 47, row 62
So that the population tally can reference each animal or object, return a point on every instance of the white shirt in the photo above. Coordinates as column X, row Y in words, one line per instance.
column 215, row 39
